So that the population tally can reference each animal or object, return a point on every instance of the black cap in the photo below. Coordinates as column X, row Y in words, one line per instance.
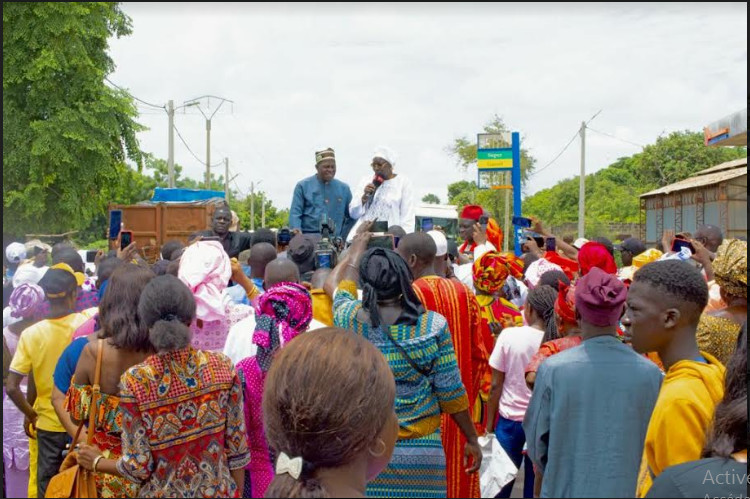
column 58, row 283
column 302, row 252
column 632, row 245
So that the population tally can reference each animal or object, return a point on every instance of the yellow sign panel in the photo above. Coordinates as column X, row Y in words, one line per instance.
column 495, row 163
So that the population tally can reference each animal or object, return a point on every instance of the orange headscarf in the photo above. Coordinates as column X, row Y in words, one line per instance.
column 493, row 269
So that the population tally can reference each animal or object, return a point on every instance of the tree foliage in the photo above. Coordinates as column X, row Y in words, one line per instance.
column 612, row 194
column 464, row 150
column 431, row 199
column 66, row 135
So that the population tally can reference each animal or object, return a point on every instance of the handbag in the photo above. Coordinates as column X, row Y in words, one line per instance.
column 73, row 481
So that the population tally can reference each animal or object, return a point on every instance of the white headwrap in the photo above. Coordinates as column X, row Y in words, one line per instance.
column 385, row 153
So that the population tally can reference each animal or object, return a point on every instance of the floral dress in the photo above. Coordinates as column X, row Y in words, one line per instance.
column 107, row 435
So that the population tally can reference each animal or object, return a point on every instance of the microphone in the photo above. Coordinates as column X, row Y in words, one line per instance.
column 377, row 181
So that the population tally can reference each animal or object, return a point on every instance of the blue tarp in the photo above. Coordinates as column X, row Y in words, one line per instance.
column 162, row 195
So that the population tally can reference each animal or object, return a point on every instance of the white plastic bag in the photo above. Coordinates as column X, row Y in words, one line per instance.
column 497, row 469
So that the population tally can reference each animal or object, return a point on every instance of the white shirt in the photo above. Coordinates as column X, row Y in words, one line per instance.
column 393, row 201
column 465, row 272
column 240, row 344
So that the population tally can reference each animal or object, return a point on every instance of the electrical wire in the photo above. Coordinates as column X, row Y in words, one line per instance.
column 188, row 147
column 615, row 137
column 556, row 157
column 134, row 97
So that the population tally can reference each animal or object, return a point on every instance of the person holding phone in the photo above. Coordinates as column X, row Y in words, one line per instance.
column 476, row 241
column 386, row 196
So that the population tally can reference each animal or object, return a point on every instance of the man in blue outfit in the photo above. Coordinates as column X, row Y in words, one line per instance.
column 321, row 194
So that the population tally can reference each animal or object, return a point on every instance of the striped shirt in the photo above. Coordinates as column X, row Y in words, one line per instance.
column 419, row 400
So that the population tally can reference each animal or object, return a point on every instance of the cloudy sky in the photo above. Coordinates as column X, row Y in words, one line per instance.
column 416, row 76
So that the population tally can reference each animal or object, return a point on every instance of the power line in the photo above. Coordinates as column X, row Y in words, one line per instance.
column 187, row 146
column 133, row 96
column 556, row 157
column 615, row 137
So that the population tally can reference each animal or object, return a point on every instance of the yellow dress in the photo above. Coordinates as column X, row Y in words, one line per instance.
column 718, row 336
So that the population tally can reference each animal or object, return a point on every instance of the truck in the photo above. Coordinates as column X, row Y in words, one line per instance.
column 170, row 214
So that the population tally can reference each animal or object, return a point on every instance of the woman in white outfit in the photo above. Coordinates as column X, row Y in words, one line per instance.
column 392, row 201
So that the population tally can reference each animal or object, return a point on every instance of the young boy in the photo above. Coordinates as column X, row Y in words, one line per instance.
column 664, row 306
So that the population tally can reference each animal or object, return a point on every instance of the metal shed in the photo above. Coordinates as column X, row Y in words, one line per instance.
column 716, row 196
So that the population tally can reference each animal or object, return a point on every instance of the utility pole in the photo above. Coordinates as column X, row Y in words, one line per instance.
column 582, row 183
column 208, row 130
column 252, row 206
column 170, row 157
column 262, row 209
column 226, row 179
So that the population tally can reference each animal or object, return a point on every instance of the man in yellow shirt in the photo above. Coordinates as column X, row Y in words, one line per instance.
column 665, row 303
column 37, row 353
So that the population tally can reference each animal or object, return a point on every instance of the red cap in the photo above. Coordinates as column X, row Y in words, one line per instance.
column 472, row 212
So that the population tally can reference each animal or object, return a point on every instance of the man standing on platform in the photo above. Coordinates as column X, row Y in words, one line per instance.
column 321, row 194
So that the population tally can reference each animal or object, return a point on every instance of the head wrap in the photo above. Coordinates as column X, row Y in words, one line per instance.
column 25, row 300
column 15, row 252
column 282, row 313
column 472, row 212
column 441, row 242
column 648, row 256
column 537, row 269
column 324, row 154
column 28, row 274
column 205, row 269
column 600, row 298
column 568, row 266
column 36, row 244
column 494, row 233
column 385, row 153
column 730, row 267
column 596, row 255
column 493, row 269
column 384, row 274
column 565, row 305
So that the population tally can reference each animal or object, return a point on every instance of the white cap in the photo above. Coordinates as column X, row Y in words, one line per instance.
column 28, row 274
column 578, row 244
column 440, row 241
column 385, row 153
column 15, row 252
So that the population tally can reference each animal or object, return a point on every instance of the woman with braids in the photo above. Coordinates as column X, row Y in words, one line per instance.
column 509, row 394
column 567, row 327
column 418, row 348
column 183, row 431
column 725, row 453
column 331, row 438
column 282, row 313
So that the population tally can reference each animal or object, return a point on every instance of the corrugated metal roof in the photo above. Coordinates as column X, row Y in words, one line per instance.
column 699, row 181
column 724, row 166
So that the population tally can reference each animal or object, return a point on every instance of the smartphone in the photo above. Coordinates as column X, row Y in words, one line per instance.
column 386, row 242
column 91, row 256
column 522, row 222
column 324, row 260
column 427, row 224
column 379, row 226
column 284, row 236
column 115, row 223
column 484, row 220
column 126, row 238
column 678, row 244
column 550, row 244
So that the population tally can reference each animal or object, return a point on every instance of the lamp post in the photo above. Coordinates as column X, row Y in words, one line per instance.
column 208, row 130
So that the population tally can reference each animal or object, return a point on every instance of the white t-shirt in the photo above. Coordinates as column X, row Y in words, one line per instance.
column 240, row 344
column 512, row 353
column 393, row 201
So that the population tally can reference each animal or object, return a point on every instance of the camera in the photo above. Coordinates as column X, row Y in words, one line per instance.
column 284, row 236
column 327, row 249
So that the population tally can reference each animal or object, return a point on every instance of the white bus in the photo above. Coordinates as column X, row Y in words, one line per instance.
column 443, row 215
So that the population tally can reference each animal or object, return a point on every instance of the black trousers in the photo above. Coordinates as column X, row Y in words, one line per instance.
column 51, row 446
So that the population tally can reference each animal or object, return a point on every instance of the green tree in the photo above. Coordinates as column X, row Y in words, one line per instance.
column 66, row 135
column 613, row 193
column 464, row 150
column 275, row 218
column 431, row 199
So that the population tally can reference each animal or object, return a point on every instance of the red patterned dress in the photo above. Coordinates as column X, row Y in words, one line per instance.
column 107, row 430
column 183, row 427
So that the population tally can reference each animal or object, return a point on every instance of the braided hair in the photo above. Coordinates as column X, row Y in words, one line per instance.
column 542, row 300
column 385, row 275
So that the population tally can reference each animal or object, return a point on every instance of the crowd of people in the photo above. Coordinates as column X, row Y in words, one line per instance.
column 238, row 366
